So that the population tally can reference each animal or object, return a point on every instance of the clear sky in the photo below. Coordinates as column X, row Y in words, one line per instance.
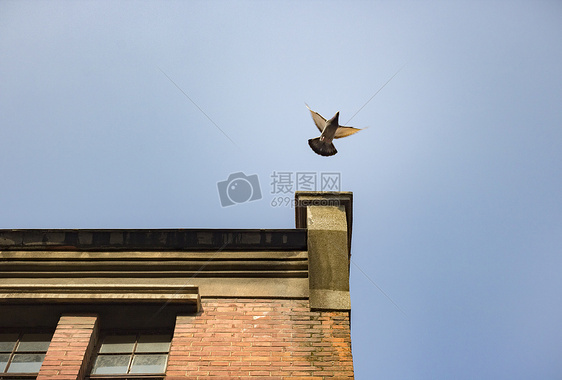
column 457, row 181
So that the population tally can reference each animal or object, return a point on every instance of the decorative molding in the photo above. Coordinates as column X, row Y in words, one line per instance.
column 37, row 264
column 100, row 293
column 277, row 274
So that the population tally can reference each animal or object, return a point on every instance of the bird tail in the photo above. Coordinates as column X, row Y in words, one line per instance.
column 322, row 148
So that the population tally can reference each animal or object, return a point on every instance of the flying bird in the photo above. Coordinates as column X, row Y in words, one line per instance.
column 330, row 129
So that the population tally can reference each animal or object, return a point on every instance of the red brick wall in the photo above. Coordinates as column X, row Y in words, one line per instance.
column 72, row 342
column 252, row 339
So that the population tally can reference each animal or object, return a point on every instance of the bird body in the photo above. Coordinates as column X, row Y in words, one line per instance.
column 330, row 130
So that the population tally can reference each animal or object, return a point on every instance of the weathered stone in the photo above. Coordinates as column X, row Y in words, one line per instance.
column 327, row 219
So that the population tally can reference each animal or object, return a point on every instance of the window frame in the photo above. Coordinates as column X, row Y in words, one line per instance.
column 132, row 354
column 20, row 333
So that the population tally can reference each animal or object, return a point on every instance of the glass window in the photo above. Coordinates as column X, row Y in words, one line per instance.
column 149, row 364
column 26, row 363
column 111, row 364
column 23, row 353
column 145, row 354
column 113, row 344
column 34, row 343
column 8, row 342
column 4, row 358
column 154, row 343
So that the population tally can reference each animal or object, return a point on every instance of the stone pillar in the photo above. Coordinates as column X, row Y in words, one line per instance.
column 71, row 348
column 327, row 216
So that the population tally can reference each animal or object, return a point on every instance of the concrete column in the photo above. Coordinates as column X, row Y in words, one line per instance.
column 327, row 216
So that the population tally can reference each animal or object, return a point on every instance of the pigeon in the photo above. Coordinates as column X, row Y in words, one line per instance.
column 330, row 129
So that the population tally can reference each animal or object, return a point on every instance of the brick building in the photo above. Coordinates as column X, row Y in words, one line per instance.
column 180, row 303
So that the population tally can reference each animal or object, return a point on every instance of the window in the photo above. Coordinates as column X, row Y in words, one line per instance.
column 21, row 355
column 141, row 354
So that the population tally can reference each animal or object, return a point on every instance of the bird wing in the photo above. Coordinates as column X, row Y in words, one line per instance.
column 318, row 119
column 345, row 131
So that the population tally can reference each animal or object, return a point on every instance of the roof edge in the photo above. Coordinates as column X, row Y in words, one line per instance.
column 179, row 239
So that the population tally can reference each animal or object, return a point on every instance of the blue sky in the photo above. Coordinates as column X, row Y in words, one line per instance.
column 456, row 182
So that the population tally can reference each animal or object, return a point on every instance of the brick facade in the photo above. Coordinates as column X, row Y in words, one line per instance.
column 70, row 348
column 242, row 304
column 256, row 338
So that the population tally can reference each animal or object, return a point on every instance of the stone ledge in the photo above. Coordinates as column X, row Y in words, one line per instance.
column 249, row 287
column 100, row 293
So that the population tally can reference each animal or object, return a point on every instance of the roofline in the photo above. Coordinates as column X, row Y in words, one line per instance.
column 176, row 239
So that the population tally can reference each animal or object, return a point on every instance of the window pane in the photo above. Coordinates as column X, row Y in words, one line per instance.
column 34, row 342
column 154, row 343
column 118, row 344
column 26, row 363
column 149, row 364
column 111, row 364
column 7, row 342
column 3, row 361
